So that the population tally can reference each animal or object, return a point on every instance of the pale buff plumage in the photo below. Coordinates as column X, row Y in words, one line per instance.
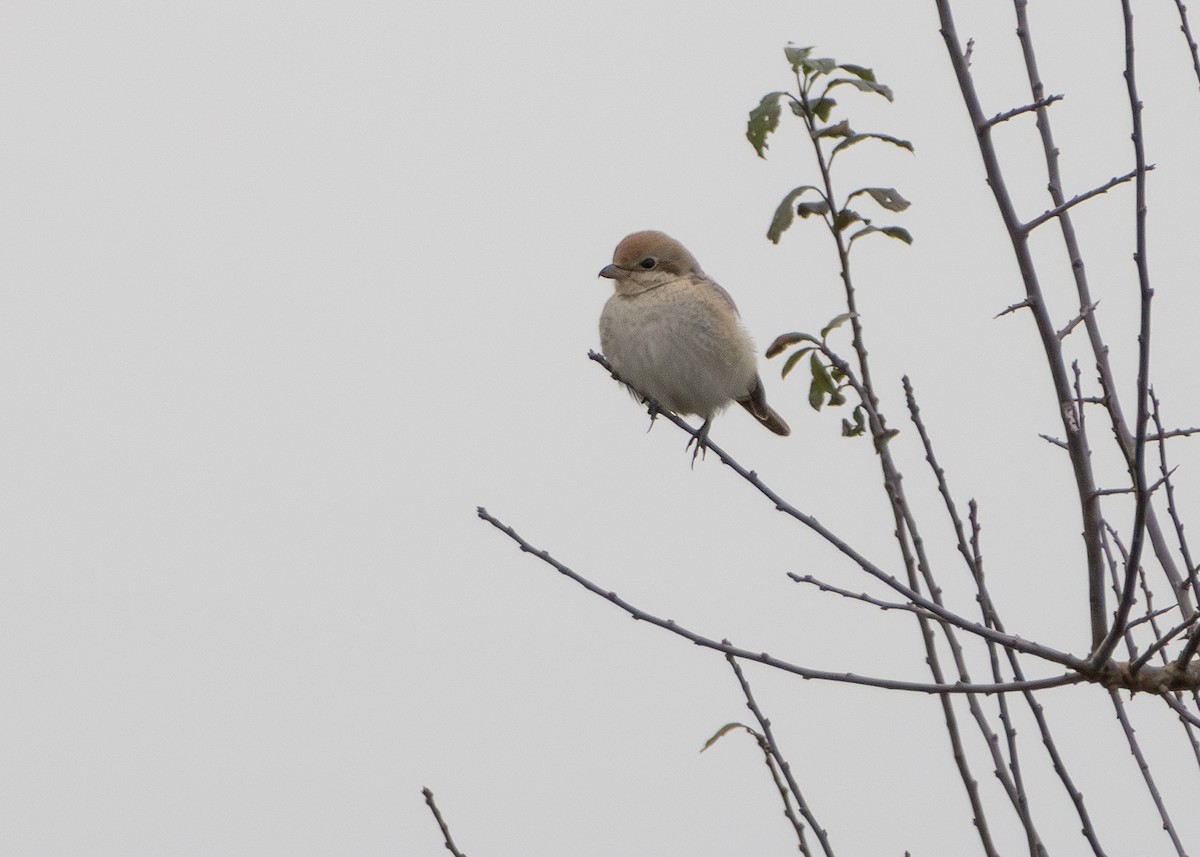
column 673, row 334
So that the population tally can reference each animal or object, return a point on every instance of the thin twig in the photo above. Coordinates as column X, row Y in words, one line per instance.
column 1151, row 616
column 1011, row 308
column 1061, row 444
column 781, row 505
column 1073, row 323
column 1077, row 445
column 1051, row 213
column 857, row 596
column 1187, row 34
column 1011, row 779
column 1163, row 641
column 1105, row 648
column 1189, row 730
column 1166, row 435
column 776, row 777
column 441, row 823
column 1181, row 710
column 1147, row 777
column 1028, row 108
column 762, row 657
column 1099, row 348
column 1172, row 509
column 777, row 755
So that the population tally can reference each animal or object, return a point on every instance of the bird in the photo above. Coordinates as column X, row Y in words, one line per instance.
column 674, row 336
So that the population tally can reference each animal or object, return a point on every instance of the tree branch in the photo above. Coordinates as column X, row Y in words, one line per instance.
column 1028, row 108
column 781, row 505
column 773, row 748
column 441, row 823
column 763, row 657
column 1105, row 648
column 1050, row 214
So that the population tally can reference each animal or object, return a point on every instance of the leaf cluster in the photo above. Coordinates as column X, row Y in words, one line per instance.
column 816, row 77
column 828, row 375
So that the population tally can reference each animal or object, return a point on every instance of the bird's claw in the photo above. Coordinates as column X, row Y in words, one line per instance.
column 700, row 439
column 654, row 410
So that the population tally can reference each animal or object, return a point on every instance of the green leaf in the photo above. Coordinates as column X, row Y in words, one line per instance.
column 807, row 209
column 822, row 107
column 786, row 340
column 841, row 129
column 858, row 138
column 820, row 65
column 858, row 427
column 864, row 85
column 822, row 385
column 896, row 232
column 836, row 322
column 785, row 213
column 796, row 55
column 844, row 218
column 793, row 358
column 887, row 197
column 858, row 71
column 763, row 120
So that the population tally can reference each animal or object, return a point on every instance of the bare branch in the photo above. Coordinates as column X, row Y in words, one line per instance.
column 1028, row 108
column 1105, row 648
column 1147, row 777
column 1150, row 616
column 1073, row 323
column 857, row 596
column 1163, row 641
column 441, row 823
column 776, row 777
column 1051, row 213
column 781, row 505
column 764, row 658
column 1172, row 509
column 1012, row 308
column 1010, row 777
column 1061, row 444
column 1167, row 435
column 1077, row 443
column 1187, row 34
column 1099, row 348
column 1180, row 709
column 786, row 769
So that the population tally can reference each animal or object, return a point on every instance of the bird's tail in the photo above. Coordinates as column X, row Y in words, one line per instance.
column 756, row 404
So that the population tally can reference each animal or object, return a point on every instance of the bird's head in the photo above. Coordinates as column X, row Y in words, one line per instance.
column 648, row 259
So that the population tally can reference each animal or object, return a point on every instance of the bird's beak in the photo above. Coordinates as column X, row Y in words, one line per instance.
column 612, row 272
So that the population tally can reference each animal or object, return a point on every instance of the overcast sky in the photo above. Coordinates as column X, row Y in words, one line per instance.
column 290, row 288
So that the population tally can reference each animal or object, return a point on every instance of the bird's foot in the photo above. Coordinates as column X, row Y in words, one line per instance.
column 654, row 410
column 700, row 439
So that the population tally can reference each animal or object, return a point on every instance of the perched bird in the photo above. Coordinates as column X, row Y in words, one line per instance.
column 672, row 334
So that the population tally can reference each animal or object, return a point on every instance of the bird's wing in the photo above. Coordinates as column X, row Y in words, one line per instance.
column 725, row 296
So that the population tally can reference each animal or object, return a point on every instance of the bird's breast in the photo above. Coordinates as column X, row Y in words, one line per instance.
column 679, row 345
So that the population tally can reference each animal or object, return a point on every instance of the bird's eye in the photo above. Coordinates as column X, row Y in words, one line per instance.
column 648, row 263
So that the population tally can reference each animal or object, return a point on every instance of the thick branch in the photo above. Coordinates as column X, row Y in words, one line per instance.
column 1076, row 440
column 1138, row 470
